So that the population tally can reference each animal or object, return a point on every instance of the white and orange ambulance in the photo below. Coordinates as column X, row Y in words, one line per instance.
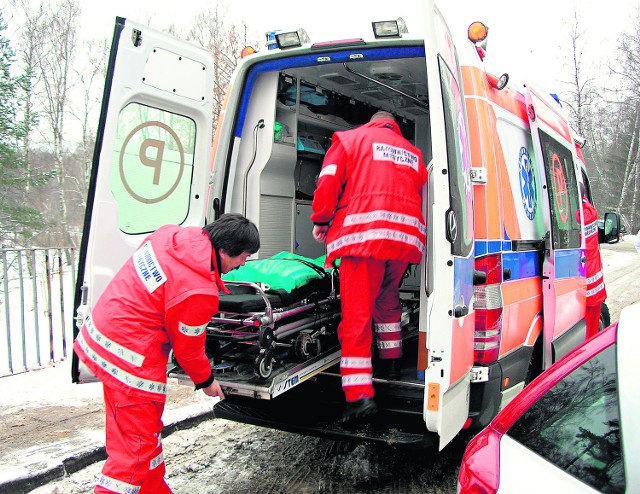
column 500, row 292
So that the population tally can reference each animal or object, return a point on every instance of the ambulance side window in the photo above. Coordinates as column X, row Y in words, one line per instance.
column 152, row 168
column 459, row 161
column 563, row 193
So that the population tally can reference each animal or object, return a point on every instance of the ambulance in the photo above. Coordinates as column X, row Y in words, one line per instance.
column 500, row 292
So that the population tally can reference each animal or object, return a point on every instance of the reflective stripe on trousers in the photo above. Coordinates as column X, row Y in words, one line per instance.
column 368, row 291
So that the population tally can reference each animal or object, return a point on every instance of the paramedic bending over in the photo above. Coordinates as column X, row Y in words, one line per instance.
column 162, row 298
column 367, row 207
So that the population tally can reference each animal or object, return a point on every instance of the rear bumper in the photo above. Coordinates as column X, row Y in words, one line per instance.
column 314, row 410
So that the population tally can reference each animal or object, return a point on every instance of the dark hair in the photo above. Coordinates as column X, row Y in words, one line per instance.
column 234, row 233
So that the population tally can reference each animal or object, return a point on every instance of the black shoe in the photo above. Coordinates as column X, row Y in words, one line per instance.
column 357, row 410
column 392, row 370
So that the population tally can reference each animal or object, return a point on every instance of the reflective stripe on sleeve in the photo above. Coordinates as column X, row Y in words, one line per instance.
column 117, row 485
column 328, row 170
column 111, row 346
column 356, row 379
column 383, row 215
column 355, row 362
column 391, row 327
column 120, row 374
column 375, row 234
column 191, row 330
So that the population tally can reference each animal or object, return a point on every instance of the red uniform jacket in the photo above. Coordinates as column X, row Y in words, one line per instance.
column 162, row 298
column 596, row 292
column 370, row 190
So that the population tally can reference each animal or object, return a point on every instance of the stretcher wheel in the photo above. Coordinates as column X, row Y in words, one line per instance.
column 265, row 337
column 264, row 364
column 306, row 346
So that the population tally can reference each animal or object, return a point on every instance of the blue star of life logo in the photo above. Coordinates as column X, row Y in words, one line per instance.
column 528, row 186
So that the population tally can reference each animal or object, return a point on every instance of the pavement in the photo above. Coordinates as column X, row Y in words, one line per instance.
column 50, row 427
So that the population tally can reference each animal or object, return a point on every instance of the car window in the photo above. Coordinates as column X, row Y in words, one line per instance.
column 576, row 425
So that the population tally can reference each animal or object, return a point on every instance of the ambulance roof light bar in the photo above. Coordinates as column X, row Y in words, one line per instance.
column 389, row 29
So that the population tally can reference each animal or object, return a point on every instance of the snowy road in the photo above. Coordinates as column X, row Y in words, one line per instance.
column 219, row 456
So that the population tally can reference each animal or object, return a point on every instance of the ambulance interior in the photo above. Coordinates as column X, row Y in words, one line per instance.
column 291, row 116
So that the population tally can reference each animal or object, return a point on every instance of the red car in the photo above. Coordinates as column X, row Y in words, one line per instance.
column 575, row 428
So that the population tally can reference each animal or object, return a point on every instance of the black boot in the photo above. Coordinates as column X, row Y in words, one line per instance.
column 357, row 410
column 392, row 370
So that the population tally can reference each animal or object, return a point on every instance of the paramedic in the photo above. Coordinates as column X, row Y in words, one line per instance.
column 161, row 299
column 367, row 207
column 596, row 292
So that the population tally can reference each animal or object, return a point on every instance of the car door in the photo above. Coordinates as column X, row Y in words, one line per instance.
column 563, row 281
column 447, row 314
column 151, row 159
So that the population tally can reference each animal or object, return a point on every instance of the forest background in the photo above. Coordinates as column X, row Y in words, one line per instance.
column 51, row 87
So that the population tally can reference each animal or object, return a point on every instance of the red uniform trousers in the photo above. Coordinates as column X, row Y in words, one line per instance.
column 135, row 462
column 369, row 289
column 592, row 318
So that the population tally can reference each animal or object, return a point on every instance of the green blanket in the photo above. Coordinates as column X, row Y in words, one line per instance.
column 283, row 271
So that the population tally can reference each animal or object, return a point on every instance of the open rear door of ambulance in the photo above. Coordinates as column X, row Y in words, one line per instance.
column 446, row 305
column 151, row 159
column 563, row 269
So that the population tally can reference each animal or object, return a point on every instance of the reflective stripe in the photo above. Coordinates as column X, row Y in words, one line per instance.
column 121, row 375
column 594, row 278
column 357, row 379
column 591, row 229
column 400, row 156
column 111, row 346
column 375, row 234
column 148, row 267
column 382, row 345
column 117, row 485
column 382, row 215
column 158, row 460
column 191, row 330
column 355, row 362
column 595, row 290
column 391, row 327
column 328, row 170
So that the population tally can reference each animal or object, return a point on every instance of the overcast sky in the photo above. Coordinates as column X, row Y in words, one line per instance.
column 525, row 37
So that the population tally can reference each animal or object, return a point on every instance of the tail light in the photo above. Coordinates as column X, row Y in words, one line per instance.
column 488, row 307
column 480, row 467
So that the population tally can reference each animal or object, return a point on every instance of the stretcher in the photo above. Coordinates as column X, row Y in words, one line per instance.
column 266, row 339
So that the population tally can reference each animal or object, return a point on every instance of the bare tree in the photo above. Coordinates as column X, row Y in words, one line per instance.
column 628, row 70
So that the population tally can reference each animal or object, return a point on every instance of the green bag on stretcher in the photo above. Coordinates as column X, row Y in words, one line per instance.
column 282, row 271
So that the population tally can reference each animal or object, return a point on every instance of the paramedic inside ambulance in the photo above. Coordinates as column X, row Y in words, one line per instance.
column 367, row 208
column 160, row 300
column 596, row 292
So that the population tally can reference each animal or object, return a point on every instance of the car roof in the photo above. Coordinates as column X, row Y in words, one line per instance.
column 628, row 345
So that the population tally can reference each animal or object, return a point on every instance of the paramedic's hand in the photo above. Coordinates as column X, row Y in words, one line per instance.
column 214, row 390
column 320, row 232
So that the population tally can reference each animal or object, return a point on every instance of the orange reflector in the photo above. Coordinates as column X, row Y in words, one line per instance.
column 505, row 382
column 477, row 31
column 246, row 51
column 433, row 402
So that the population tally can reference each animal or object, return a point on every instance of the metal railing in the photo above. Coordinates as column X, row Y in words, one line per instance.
column 36, row 307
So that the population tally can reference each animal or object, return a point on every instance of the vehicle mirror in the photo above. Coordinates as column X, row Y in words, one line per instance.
column 611, row 228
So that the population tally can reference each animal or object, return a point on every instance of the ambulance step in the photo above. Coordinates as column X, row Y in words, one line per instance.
column 385, row 427
column 240, row 380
